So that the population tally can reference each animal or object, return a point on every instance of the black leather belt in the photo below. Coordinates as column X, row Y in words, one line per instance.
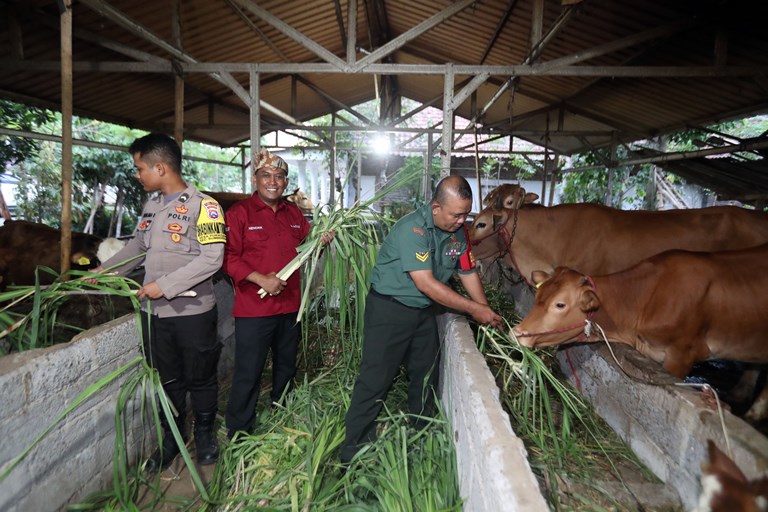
column 392, row 299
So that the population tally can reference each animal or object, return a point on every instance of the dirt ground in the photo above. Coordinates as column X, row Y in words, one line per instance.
column 177, row 489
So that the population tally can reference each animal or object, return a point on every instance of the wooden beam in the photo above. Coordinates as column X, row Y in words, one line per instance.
column 292, row 33
column 256, row 29
column 500, row 25
column 340, row 22
column 412, row 33
column 351, row 32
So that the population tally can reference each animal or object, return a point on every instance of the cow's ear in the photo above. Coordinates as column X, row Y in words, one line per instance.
column 538, row 277
column 530, row 197
column 497, row 220
column 719, row 462
column 295, row 191
column 589, row 301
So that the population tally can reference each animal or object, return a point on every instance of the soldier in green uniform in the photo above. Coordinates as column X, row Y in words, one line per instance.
column 416, row 260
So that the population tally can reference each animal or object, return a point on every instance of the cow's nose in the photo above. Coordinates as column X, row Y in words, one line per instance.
column 522, row 337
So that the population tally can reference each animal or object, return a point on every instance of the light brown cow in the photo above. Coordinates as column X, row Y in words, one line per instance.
column 725, row 488
column 677, row 308
column 596, row 239
column 302, row 200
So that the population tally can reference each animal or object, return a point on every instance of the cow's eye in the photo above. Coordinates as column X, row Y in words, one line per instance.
column 480, row 225
column 560, row 305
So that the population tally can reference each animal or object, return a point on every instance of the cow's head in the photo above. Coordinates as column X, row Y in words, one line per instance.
column 96, row 251
column 725, row 488
column 508, row 196
column 108, row 248
column 302, row 200
column 487, row 243
column 564, row 300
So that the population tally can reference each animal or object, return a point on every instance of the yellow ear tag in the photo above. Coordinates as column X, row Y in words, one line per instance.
column 83, row 261
column 538, row 285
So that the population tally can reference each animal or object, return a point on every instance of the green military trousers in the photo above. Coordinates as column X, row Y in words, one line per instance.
column 394, row 334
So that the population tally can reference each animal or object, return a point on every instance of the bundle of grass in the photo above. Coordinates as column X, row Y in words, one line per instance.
column 571, row 450
column 291, row 461
column 29, row 315
column 348, row 259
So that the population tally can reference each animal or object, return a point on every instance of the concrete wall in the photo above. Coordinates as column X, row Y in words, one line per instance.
column 75, row 458
column 36, row 387
column 666, row 425
column 494, row 473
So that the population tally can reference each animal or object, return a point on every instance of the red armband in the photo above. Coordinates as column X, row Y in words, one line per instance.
column 467, row 260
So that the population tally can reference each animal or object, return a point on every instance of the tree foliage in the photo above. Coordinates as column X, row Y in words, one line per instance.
column 620, row 187
column 14, row 150
column 106, row 197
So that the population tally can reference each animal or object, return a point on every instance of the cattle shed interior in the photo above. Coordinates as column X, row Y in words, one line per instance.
column 570, row 76
column 567, row 75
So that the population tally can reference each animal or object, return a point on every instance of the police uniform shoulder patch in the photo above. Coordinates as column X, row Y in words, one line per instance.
column 210, row 223
column 422, row 256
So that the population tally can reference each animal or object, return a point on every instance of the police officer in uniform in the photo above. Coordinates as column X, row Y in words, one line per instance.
column 416, row 260
column 182, row 232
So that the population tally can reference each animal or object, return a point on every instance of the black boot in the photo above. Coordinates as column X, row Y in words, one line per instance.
column 162, row 457
column 205, row 438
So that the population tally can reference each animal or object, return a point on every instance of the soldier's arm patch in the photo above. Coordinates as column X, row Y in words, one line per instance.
column 422, row 256
column 418, row 230
column 467, row 260
column 210, row 223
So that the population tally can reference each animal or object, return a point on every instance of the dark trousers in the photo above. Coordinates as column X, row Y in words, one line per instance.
column 394, row 334
column 185, row 352
column 254, row 337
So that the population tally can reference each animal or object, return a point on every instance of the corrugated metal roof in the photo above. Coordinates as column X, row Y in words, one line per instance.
column 573, row 109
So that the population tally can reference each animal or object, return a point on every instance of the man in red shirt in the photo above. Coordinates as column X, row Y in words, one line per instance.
column 263, row 232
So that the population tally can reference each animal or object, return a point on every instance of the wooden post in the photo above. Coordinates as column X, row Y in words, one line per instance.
column 178, row 118
column 178, row 125
column 66, row 135
column 255, row 123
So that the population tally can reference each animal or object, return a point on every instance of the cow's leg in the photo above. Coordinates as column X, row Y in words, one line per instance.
column 744, row 390
column 759, row 409
column 680, row 357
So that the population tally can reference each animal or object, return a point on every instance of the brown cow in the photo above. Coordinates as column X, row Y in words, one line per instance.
column 298, row 197
column 596, row 239
column 677, row 308
column 508, row 196
column 25, row 245
column 227, row 199
column 725, row 488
